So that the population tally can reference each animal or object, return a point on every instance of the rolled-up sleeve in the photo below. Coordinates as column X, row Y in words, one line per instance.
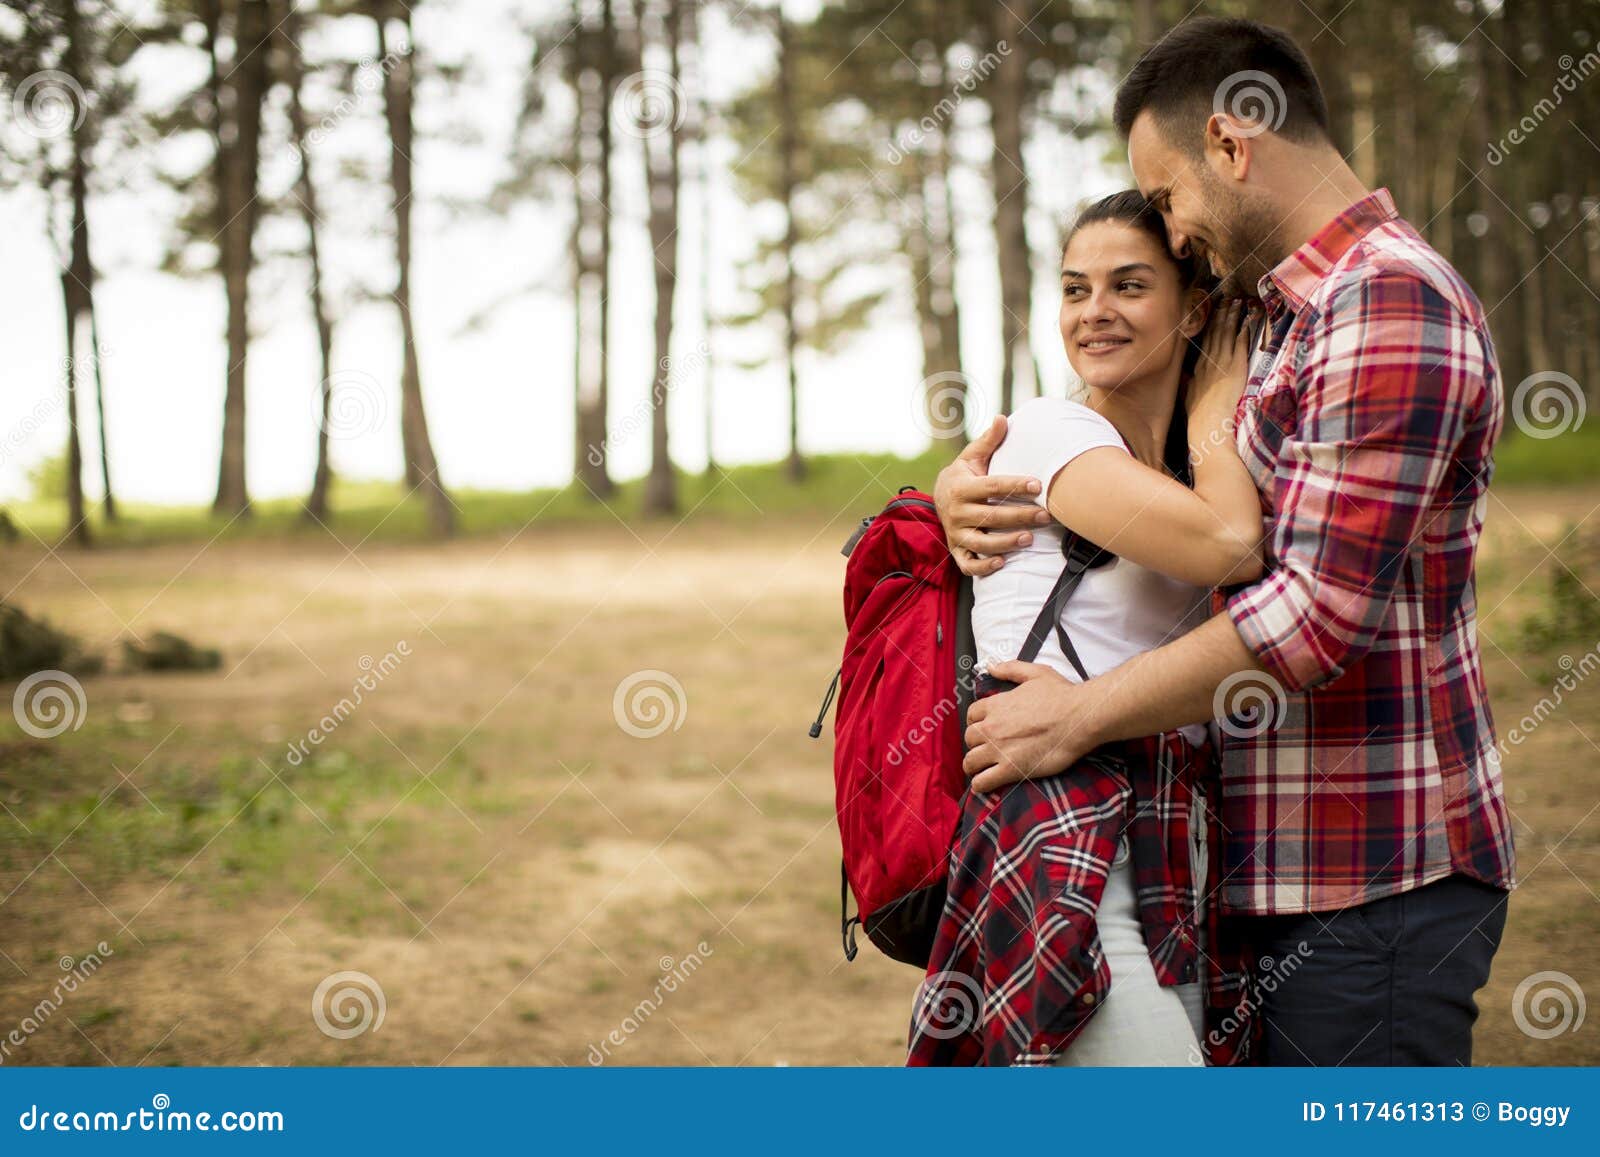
column 1394, row 377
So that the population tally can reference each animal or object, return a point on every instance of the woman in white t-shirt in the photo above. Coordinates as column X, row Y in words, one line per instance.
column 1143, row 465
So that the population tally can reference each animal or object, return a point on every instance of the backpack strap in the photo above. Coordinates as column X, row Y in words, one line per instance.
column 1082, row 557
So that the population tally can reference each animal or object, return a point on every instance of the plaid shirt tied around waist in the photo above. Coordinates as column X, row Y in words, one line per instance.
column 1017, row 968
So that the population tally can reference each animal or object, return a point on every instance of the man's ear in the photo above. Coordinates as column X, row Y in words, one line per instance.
column 1197, row 305
column 1230, row 146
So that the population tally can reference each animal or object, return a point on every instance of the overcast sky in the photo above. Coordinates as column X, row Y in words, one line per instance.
column 499, row 396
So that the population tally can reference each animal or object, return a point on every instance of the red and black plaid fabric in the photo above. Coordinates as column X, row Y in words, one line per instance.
column 1017, row 967
column 1368, row 425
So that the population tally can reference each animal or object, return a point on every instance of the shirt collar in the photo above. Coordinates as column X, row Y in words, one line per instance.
column 1297, row 274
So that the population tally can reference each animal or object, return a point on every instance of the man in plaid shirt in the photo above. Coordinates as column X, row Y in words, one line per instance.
column 1366, row 833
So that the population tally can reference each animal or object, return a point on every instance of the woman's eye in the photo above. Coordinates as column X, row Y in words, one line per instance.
column 1072, row 290
column 1130, row 285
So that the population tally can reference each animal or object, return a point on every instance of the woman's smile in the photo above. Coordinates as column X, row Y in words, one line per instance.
column 1102, row 344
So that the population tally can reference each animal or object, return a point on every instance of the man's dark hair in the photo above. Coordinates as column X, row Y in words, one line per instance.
column 1198, row 68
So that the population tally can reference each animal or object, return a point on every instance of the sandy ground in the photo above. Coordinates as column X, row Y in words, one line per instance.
column 525, row 880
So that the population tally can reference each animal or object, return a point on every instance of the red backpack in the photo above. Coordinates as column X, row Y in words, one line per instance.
column 904, row 687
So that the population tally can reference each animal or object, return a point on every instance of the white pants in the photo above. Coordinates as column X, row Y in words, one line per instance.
column 1140, row 1022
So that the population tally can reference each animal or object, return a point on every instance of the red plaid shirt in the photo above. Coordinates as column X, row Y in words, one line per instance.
column 1368, row 423
column 1017, row 968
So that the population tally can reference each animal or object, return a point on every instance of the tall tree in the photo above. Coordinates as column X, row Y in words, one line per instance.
column 818, row 177
column 290, row 29
column 237, row 97
column 788, row 153
column 398, row 65
column 61, row 73
column 596, row 74
column 1007, row 97
column 661, row 129
column 701, row 130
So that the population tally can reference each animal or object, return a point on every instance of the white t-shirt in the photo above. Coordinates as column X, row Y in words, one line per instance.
column 1119, row 610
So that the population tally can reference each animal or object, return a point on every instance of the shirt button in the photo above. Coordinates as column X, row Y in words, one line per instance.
column 1088, row 998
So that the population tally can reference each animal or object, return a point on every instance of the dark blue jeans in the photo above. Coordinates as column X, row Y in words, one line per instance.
column 1389, row 982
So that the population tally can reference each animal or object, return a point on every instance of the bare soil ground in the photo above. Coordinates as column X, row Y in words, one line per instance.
column 516, row 869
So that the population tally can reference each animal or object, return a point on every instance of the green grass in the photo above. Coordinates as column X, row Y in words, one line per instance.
column 1574, row 457
column 380, row 512
column 277, row 828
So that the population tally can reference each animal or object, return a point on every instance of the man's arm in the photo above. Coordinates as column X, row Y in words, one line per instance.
column 978, row 532
column 1395, row 379
column 1047, row 723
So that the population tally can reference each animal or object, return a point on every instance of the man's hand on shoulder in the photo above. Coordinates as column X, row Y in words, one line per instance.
column 977, row 532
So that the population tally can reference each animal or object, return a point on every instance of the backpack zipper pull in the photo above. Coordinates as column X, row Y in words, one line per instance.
column 833, row 685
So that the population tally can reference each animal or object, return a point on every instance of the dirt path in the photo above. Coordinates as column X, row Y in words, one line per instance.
column 490, row 835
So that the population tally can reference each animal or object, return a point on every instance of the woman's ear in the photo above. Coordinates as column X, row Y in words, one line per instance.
column 1197, row 311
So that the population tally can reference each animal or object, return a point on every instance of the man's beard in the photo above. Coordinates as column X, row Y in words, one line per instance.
column 1247, row 246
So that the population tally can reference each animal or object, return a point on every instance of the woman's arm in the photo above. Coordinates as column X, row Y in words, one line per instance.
column 1209, row 536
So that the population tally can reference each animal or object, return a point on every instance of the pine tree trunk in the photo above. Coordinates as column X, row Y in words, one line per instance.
column 81, row 265
column 77, row 281
column 399, row 90
column 77, row 514
column 702, row 137
column 942, row 242
column 1007, row 90
column 591, row 249
column 1492, row 254
column 239, row 209
column 108, row 501
column 788, row 145
column 661, row 149
column 316, row 507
